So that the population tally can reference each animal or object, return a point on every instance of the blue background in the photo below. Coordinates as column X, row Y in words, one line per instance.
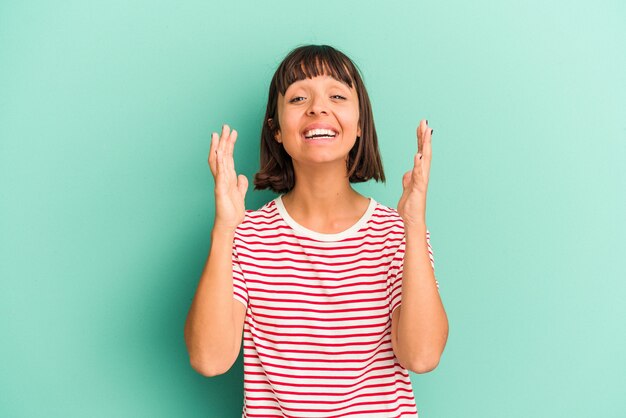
column 106, row 197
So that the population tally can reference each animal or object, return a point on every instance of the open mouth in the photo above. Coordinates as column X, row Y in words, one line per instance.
column 320, row 134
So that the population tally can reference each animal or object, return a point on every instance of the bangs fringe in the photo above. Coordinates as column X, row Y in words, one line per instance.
column 313, row 62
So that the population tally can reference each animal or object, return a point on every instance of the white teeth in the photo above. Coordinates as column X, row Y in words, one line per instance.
column 326, row 132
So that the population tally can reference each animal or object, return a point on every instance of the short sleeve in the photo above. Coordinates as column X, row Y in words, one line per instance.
column 240, row 291
column 395, row 273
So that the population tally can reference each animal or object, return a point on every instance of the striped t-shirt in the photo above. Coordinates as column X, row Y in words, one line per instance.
column 317, row 332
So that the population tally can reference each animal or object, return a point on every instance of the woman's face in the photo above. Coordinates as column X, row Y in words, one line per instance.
column 311, row 107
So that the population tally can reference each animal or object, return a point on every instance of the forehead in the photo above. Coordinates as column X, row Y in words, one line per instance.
column 306, row 70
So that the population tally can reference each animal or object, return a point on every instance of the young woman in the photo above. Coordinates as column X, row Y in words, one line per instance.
column 333, row 293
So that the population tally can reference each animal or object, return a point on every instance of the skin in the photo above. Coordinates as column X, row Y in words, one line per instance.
column 322, row 198
column 320, row 99
column 420, row 325
column 412, row 204
column 324, row 201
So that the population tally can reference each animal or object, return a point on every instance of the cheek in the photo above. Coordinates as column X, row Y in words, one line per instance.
column 290, row 121
column 351, row 118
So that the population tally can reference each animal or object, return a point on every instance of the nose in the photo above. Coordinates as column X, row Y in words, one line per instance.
column 317, row 106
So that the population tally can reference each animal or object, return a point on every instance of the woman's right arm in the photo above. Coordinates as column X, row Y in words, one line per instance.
column 214, row 322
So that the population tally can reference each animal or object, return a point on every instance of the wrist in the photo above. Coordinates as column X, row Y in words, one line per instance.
column 223, row 231
column 415, row 228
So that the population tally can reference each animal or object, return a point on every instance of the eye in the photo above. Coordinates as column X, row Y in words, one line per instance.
column 341, row 97
column 294, row 99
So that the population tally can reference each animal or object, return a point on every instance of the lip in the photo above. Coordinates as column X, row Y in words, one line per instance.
column 319, row 126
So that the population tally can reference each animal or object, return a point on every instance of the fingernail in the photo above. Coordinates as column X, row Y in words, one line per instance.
column 431, row 131
column 426, row 121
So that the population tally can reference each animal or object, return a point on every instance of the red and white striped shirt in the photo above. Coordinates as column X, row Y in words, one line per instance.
column 317, row 333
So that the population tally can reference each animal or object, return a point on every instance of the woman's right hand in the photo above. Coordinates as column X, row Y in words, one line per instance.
column 230, row 188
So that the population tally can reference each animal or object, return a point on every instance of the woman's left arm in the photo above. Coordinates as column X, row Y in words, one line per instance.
column 420, row 324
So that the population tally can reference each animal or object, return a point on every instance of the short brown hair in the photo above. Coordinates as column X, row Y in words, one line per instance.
column 308, row 61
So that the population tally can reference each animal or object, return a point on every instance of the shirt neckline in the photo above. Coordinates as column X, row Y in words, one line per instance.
column 319, row 235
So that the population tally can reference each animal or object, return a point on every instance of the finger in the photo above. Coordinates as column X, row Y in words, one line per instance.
column 424, row 132
column 417, row 161
column 220, row 154
column 428, row 152
column 417, row 169
column 212, row 152
column 219, row 164
column 421, row 129
column 230, row 161
column 224, row 136
column 426, row 146
column 406, row 179
column 242, row 185
column 231, row 142
column 419, row 138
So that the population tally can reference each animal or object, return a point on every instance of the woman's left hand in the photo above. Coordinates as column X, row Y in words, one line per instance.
column 412, row 204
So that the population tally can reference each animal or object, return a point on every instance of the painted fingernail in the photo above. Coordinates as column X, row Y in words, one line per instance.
column 426, row 121
column 431, row 131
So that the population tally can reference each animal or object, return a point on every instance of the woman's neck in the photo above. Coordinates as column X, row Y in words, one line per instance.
column 323, row 197
column 325, row 206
